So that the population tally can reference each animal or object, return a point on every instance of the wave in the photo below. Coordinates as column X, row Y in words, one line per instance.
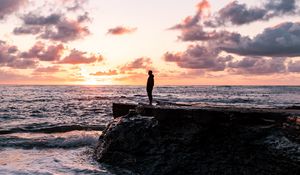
column 53, row 129
column 70, row 140
column 90, row 98
column 32, row 100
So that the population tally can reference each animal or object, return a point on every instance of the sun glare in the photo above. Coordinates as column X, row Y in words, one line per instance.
column 97, row 81
column 90, row 82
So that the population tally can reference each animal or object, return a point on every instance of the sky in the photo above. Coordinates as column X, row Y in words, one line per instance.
column 116, row 42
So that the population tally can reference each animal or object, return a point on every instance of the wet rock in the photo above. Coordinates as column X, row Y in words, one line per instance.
column 187, row 145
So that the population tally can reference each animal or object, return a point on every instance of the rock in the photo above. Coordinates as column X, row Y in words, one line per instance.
column 186, row 145
column 125, row 138
column 122, row 109
column 293, row 107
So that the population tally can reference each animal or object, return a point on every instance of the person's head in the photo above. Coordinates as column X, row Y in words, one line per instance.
column 150, row 72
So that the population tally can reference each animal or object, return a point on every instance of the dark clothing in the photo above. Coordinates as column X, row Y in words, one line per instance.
column 150, row 84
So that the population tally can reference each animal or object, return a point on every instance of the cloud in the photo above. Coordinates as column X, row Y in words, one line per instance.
column 203, row 6
column 79, row 57
column 188, row 22
column 191, row 21
column 258, row 65
column 63, row 26
column 44, row 53
column 34, row 19
column 199, row 57
column 294, row 66
column 108, row 73
column 120, row 30
column 65, row 31
column 282, row 40
column 84, row 18
column 7, row 52
column 9, row 57
column 265, row 53
column 197, row 33
column 282, row 6
column 236, row 13
column 73, row 5
column 198, row 28
column 23, row 64
column 207, row 57
column 33, row 30
column 134, row 71
column 203, row 59
column 49, row 69
column 139, row 63
column 172, row 77
column 9, row 6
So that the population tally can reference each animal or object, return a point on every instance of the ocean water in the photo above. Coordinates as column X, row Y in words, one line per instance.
column 53, row 129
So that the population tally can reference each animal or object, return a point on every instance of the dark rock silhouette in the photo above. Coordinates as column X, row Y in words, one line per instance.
column 171, row 143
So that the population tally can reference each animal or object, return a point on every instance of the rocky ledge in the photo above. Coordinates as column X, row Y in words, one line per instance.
column 186, row 140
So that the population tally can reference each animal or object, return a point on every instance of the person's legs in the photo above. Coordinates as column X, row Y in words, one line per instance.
column 150, row 97
column 149, row 92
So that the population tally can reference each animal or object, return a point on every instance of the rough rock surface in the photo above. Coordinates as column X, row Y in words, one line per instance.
column 146, row 145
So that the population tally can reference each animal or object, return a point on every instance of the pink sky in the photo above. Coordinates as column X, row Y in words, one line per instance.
column 116, row 42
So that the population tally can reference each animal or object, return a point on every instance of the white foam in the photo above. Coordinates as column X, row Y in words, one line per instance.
column 59, row 140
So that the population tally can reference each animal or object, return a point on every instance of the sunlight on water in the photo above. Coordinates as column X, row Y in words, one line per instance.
column 53, row 161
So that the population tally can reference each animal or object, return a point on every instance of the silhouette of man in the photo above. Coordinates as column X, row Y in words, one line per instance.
column 150, row 84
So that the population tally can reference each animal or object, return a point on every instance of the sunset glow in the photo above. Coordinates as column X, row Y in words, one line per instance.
column 204, row 8
column 204, row 42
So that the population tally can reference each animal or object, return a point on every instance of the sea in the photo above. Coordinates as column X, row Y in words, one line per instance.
column 47, row 130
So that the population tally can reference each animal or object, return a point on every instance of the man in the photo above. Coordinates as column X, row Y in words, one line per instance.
column 150, row 84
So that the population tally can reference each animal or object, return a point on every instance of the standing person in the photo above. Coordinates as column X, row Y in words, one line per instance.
column 150, row 84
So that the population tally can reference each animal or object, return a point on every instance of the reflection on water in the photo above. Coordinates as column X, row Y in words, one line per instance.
column 54, row 161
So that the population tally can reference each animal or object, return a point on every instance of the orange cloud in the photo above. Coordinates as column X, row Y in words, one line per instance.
column 139, row 63
column 50, row 69
column 120, row 30
column 78, row 57
column 203, row 6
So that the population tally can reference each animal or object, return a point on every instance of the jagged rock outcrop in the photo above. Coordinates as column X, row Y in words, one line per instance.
column 186, row 145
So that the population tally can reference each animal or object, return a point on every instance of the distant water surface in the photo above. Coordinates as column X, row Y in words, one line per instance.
column 53, row 129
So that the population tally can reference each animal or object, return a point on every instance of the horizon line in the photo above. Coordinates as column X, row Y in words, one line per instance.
column 142, row 85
